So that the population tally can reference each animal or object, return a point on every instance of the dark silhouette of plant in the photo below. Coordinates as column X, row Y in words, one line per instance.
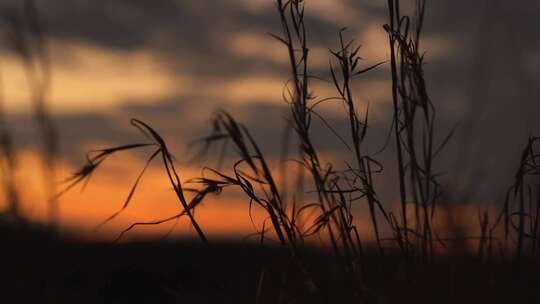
column 156, row 141
column 26, row 35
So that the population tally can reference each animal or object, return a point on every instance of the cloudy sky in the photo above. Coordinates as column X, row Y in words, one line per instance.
column 172, row 63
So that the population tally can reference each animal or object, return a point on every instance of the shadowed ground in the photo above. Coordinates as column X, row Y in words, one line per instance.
column 37, row 267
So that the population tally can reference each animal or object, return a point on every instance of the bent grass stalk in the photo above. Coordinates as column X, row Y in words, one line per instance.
column 156, row 141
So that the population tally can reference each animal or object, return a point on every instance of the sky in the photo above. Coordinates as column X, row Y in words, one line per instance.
column 173, row 63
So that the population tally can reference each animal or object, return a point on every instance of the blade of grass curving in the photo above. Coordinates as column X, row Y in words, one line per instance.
column 131, row 192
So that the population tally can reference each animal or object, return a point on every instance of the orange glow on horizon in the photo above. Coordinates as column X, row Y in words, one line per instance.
column 226, row 215
column 107, row 190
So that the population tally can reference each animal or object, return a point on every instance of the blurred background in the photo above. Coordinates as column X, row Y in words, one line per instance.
column 173, row 63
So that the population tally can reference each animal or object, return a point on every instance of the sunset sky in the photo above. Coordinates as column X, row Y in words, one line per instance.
column 172, row 63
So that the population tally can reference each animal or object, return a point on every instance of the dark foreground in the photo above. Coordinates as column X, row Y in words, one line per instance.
column 39, row 268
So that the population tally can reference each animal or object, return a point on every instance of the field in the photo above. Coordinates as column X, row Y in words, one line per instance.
column 328, row 234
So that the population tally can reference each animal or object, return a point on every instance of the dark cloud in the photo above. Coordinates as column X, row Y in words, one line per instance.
column 190, row 36
column 485, row 85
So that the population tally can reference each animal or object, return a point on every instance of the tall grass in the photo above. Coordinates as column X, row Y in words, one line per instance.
column 521, row 211
column 26, row 35
column 8, row 165
column 338, row 189
column 414, row 128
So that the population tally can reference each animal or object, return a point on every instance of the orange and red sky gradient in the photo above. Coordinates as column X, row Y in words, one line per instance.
column 172, row 63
